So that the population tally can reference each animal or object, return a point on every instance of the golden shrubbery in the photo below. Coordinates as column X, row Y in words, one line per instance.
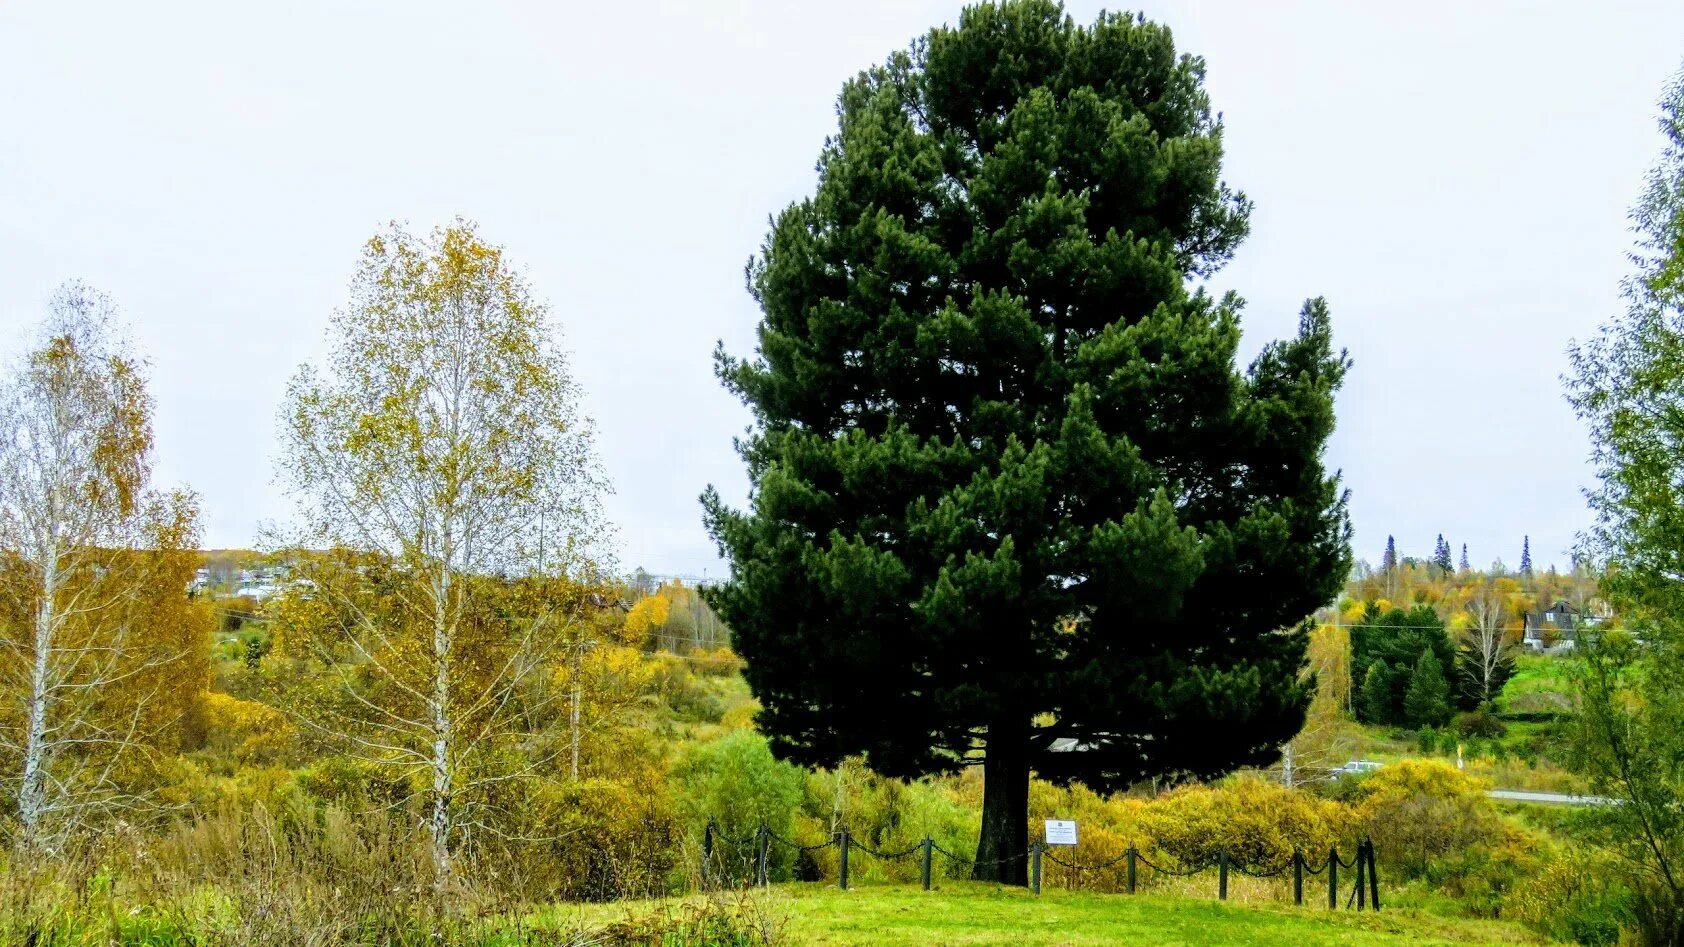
column 594, row 840
column 1420, row 811
column 1426, row 819
column 245, row 730
column 1258, row 824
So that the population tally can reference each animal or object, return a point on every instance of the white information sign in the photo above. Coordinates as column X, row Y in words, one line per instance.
column 1061, row 832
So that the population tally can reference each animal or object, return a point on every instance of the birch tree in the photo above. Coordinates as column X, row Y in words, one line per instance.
column 1627, row 385
column 1325, row 740
column 1485, row 635
column 442, row 456
column 93, row 580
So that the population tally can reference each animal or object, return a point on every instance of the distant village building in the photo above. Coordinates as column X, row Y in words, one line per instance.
column 1556, row 627
column 260, row 584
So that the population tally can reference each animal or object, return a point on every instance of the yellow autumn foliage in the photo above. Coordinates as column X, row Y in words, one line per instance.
column 248, row 731
column 1418, row 811
column 1257, row 823
column 648, row 615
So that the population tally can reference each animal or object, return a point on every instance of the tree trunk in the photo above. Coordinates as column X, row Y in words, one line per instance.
column 32, row 790
column 439, row 820
column 1002, row 853
column 573, row 717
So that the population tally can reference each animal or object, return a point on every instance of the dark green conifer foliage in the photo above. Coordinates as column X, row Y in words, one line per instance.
column 1374, row 700
column 1008, row 485
column 1526, row 555
column 1427, row 702
column 1463, row 565
column 1388, row 559
column 1441, row 554
column 1394, row 640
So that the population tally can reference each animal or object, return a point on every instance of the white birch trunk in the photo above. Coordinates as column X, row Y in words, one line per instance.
column 32, row 788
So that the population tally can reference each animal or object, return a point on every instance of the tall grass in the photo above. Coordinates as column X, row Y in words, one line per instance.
column 320, row 878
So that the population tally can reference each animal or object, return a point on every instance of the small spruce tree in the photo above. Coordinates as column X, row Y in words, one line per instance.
column 1374, row 701
column 1526, row 555
column 1427, row 702
column 1441, row 554
column 1463, row 565
column 1388, row 560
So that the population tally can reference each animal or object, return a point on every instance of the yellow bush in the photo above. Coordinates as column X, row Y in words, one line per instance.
column 1257, row 823
column 1418, row 811
column 245, row 730
column 187, row 785
column 606, row 840
column 740, row 716
column 719, row 662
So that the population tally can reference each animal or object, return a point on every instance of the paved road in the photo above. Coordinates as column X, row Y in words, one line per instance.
column 1553, row 798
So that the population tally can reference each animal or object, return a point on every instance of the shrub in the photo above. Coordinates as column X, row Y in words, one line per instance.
column 740, row 715
column 687, row 694
column 1482, row 880
column 718, row 662
column 348, row 781
column 1257, row 823
column 589, row 840
column 1426, row 740
column 1107, row 827
column 186, row 785
column 1418, row 811
column 245, row 730
column 1479, row 722
column 1575, row 897
column 886, row 815
column 736, row 782
column 249, row 878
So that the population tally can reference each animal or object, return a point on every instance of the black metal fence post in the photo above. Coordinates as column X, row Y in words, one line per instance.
column 929, row 844
column 842, row 842
column 707, row 851
column 1222, row 875
column 1035, row 865
column 1373, row 877
column 1298, row 877
column 762, row 853
column 1333, row 879
column 1131, row 855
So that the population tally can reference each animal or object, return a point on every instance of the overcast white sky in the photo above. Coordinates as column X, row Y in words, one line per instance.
column 1453, row 176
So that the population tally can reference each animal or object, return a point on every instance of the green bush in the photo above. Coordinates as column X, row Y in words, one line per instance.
column 1479, row 722
column 1482, row 880
column 885, row 815
column 1577, row 898
column 1426, row 740
column 736, row 782
column 690, row 697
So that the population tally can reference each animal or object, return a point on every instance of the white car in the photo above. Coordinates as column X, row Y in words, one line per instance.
column 1357, row 767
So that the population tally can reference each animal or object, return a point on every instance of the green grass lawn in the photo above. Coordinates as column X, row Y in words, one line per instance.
column 968, row 913
column 1540, row 683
